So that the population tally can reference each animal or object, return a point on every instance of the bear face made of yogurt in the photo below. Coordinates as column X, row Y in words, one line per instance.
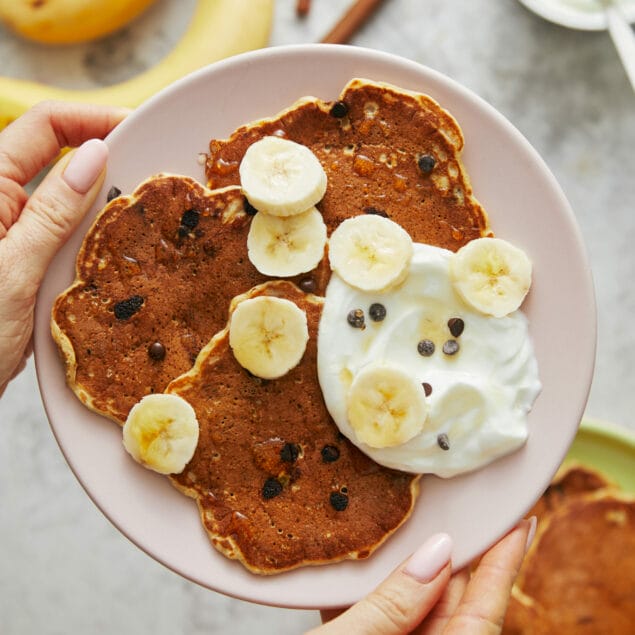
column 435, row 372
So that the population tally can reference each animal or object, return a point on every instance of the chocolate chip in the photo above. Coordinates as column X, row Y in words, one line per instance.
column 339, row 501
column 290, row 452
column 427, row 388
column 377, row 312
column 250, row 210
column 443, row 441
column 271, row 488
column 456, row 326
column 375, row 211
column 127, row 308
column 339, row 109
column 426, row 163
column 156, row 351
column 113, row 192
column 451, row 347
column 425, row 347
column 330, row 453
column 190, row 218
column 356, row 318
column 307, row 285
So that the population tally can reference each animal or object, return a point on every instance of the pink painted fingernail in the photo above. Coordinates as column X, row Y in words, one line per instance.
column 426, row 562
column 533, row 521
column 86, row 165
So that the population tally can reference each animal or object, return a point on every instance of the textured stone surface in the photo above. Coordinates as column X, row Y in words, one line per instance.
column 65, row 569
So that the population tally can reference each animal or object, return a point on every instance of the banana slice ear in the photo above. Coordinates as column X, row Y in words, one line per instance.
column 491, row 275
column 371, row 253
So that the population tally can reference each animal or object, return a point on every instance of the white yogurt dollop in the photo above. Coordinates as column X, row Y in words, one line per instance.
column 480, row 396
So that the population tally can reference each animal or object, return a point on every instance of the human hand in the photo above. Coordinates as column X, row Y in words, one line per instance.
column 32, row 229
column 421, row 596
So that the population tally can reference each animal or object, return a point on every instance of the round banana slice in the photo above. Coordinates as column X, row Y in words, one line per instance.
column 491, row 275
column 161, row 433
column 286, row 246
column 281, row 177
column 371, row 253
column 386, row 406
column 268, row 335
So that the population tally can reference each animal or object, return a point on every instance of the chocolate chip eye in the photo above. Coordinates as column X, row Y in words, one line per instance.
column 307, row 285
column 426, row 163
column 127, row 308
column 427, row 388
column 356, row 318
column 456, row 326
column 339, row 501
column 425, row 348
column 190, row 218
column 339, row 109
column 271, row 488
column 377, row 312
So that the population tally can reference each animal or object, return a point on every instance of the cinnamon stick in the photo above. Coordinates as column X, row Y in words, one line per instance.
column 351, row 21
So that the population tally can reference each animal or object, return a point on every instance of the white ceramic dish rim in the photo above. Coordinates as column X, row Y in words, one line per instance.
column 573, row 18
column 143, row 501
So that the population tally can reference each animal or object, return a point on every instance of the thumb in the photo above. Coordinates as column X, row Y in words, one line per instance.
column 54, row 210
column 402, row 601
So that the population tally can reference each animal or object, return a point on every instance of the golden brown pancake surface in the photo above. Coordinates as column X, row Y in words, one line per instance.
column 579, row 574
column 160, row 266
column 371, row 157
column 276, row 484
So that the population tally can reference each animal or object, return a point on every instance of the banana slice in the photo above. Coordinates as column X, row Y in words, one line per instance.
column 281, row 177
column 268, row 335
column 161, row 433
column 371, row 253
column 491, row 275
column 286, row 246
column 386, row 406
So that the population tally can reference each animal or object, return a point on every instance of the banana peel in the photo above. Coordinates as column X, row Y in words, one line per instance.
column 218, row 29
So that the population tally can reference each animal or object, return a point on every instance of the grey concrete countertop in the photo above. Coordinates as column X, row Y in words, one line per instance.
column 65, row 569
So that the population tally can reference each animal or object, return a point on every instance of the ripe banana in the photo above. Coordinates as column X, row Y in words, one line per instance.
column 268, row 335
column 281, row 177
column 386, row 406
column 68, row 21
column 161, row 433
column 286, row 246
column 218, row 29
column 370, row 253
column 491, row 275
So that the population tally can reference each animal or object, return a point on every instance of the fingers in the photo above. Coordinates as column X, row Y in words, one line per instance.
column 401, row 602
column 32, row 141
column 49, row 217
column 482, row 609
column 444, row 609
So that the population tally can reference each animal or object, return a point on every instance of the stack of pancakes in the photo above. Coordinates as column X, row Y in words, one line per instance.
column 277, row 486
column 578, row 577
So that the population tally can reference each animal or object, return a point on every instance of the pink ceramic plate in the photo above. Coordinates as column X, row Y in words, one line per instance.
column 525, row 205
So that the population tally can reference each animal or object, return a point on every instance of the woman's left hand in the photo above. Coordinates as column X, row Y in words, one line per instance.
column 33, row 229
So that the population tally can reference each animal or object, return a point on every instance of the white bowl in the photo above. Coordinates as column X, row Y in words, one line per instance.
column 567, row 14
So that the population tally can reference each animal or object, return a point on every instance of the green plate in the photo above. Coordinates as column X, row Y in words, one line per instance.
column 608, row 448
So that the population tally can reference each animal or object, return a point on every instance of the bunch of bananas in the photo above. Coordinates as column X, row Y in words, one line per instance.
column 218, row 29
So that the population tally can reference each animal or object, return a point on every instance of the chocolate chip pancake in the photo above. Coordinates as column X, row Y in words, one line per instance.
column 579, row 574
column 155, row 276
column 277, row 486
column 385, row 151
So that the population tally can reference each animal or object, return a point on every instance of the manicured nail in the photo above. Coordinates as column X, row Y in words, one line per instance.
column 533, row 521
column 426, row 562
column 86, row 165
